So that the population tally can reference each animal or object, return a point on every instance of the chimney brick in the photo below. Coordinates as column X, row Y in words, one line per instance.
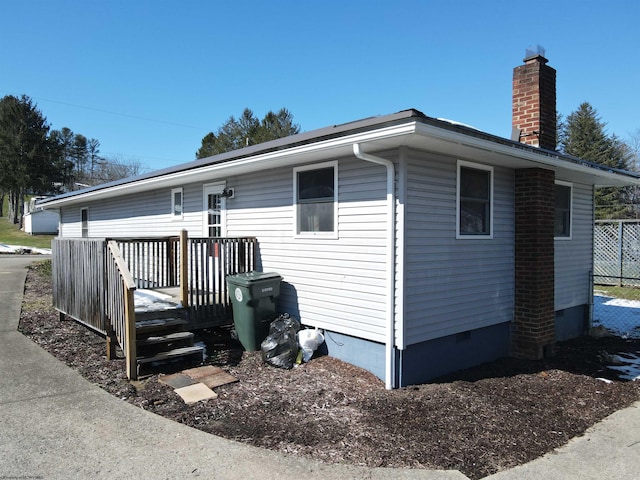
column 534, row 102
column 533, row 327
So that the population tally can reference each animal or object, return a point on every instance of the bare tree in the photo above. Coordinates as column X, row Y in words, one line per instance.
column 115, row 168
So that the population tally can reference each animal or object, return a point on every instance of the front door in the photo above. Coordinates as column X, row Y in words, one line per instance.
column 214, row 211
column 214, row 227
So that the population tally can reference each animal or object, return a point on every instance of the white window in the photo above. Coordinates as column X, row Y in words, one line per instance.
column 315, row 190
column 176, row 203
column 474, row 201
column 84, row 222
column 563, row 204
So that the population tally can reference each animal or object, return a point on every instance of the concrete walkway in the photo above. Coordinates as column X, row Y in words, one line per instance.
column 56, row 425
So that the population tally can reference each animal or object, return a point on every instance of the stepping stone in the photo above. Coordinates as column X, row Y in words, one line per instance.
column 177, row 380
column 199, row 372
column 195, row 393
column 211, row 376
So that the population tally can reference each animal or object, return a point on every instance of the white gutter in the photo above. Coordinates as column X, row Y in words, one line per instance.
column 391, row 267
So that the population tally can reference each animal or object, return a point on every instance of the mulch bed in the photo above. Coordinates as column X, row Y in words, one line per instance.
column 479, row 421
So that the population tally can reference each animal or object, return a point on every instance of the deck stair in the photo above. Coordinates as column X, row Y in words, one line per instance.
column 162, row 336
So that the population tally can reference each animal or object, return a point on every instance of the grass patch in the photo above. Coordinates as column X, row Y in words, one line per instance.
column 628, row 293
column 10, row 234
column 42, row 268
column 34, row 300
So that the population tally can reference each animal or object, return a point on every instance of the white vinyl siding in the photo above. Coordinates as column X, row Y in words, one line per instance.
column 454, row 285
column 337, row 284
column 573, row 257
column 139, row 215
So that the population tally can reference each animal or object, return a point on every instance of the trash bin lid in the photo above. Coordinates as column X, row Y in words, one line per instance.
column 249, row 278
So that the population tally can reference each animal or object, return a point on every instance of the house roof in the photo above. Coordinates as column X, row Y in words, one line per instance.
column 408, row 127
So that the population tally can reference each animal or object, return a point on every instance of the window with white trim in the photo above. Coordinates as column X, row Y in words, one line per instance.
column 84, row 222
column 316, row 199
column 176, row 203
column 474, row 201
column 562, row 212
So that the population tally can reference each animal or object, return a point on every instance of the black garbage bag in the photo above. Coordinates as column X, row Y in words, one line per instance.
column 280, row 348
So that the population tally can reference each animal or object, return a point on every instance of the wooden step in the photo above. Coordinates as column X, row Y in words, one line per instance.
column 166, row 313
column 176, row 353
column 169, row 338
column 159, row 324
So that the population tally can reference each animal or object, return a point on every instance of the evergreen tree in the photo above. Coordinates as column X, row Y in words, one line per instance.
column 247, row 130
column 583, row 135
column 29, row 161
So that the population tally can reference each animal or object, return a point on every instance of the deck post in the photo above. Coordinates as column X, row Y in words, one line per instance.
column 130, row 318
column 184, row 268
column 171, row 263
column 111, row 344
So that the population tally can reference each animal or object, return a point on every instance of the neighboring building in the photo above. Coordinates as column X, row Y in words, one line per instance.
column 37, row 221
column 421, row 246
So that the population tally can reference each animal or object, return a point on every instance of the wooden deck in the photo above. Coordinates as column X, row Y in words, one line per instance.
column 119, row 287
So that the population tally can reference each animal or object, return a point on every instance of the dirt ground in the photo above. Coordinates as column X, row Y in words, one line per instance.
column 478, row 421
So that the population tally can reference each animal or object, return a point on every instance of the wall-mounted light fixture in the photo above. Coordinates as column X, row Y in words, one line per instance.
column 227, row 192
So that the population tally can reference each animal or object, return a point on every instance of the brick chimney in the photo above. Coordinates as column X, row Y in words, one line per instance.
column 534, row 118
column 534, row 101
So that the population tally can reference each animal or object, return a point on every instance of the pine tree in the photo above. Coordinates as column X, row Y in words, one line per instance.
column 29, row 161
column 583, row 135
column 248, row 130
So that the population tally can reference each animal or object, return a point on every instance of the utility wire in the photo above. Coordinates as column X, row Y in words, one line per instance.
column 127, row 115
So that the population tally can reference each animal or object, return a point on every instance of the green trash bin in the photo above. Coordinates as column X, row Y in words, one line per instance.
column 253, row 296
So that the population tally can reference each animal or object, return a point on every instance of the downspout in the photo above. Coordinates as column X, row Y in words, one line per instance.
column 391, row 267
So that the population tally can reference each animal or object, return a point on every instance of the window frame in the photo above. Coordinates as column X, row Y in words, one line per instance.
column 175, row 216
column 476, row 166
column 214, row 189
column 570, row 235
column 84, row 222
column 296, row 226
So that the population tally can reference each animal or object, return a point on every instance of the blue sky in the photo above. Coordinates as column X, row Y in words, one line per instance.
column 149, row 79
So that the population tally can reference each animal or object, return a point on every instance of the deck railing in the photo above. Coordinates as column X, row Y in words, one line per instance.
column 120, row 307
column 84, row 276
column 153, row 262
column 78, row 280
column 211, row 260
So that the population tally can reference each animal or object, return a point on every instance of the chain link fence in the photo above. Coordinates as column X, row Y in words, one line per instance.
column 616, row 277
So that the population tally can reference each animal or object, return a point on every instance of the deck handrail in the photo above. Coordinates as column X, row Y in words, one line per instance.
column 120, row 305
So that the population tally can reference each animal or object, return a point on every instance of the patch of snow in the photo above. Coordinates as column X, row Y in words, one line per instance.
column 618, row 315
column 630, row 369
column 605, row 380
column 455, row 122
column 150, row 300
column 621, row 317
column 21, row 249
column 204, row 349
column 152, row 294
column 4, row 248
